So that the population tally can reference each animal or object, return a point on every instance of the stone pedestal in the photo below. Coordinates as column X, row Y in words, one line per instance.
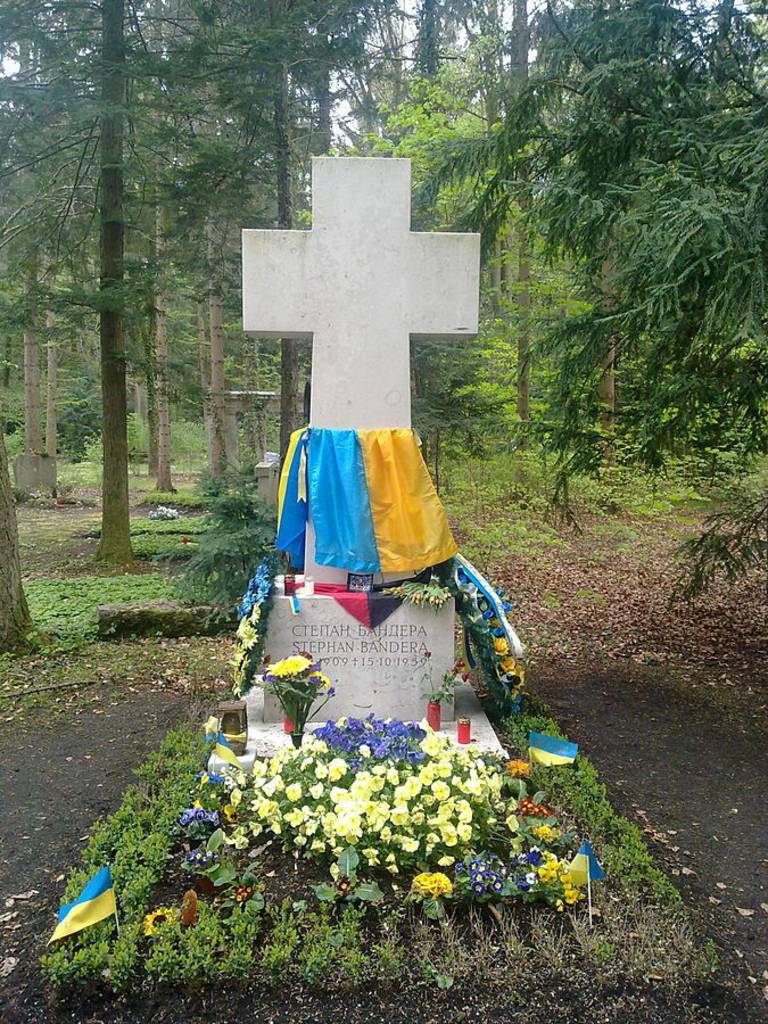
column 382, row 670
column 35, row 473
column 267, row 481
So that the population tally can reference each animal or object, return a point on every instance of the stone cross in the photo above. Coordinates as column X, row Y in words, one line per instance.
column 360, row 284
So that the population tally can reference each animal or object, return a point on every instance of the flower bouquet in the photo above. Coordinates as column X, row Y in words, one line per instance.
column 300, row 688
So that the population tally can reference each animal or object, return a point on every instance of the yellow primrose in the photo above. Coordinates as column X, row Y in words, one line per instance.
column 337, row 769
column 441, row 790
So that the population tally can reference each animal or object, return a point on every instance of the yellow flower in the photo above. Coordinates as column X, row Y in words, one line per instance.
column 336, row 769
column 230, row 813
column 500, row 645
column 294, row 792
column 546, row 833
column 512, row 823
column 292, row 666
column 518, row 769
column 432, row 885
column 156, row 918
column 441, row 790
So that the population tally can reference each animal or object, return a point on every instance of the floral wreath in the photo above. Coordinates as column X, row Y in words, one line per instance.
column 253, row 612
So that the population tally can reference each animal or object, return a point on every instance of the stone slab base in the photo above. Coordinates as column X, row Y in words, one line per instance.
column 383, row 670
column 266, row 738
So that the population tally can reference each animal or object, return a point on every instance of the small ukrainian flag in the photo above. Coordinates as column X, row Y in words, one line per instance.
column 550, row 750
column 585, row 867
column 95, row 902
column 223, row 750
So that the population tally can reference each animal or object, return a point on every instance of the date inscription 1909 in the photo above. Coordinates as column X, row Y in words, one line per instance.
column 355, row 645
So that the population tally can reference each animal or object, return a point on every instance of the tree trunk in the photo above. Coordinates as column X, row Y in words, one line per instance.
column 428, row 43
column 289, row 358
column 115, row 543
column 32, row 427
column 606, row 387
column 15, row 622
column 218, row 384
column 150, row 379
column 7, row 361
column 324, row 125
column 164, row 482
column 204, row 367
column 51, row 387
column 519, row 70
column 524, row 327
column 606, row 391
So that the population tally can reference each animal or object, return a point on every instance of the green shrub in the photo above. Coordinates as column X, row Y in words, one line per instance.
column 241, row 530
column 136, row 842
column 215, row 948
column 577, row 788
column 332, row 950
column 284, row 940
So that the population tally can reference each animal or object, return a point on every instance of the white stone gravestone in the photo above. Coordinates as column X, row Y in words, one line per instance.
column 361, row 285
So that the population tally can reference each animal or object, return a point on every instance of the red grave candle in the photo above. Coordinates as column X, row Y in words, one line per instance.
column 433, row 715
column 287, row 724
column 463, row 727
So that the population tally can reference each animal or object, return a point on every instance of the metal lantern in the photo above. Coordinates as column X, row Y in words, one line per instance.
column 233, row 715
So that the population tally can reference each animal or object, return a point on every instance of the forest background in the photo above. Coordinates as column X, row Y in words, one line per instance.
column 613, row 154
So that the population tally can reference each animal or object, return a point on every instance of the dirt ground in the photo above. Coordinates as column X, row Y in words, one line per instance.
column 670, row 705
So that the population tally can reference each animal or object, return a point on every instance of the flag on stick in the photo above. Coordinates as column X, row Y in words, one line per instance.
column 223, row 750
column 95, row 902
column 550, row 750
column 585, row 868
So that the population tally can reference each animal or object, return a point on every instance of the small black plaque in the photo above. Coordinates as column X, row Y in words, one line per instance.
column 360, row 582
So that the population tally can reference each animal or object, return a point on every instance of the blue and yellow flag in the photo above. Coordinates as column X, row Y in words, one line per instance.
column 370, row 497
column 550, row 750
column 223, row 750
column 585, row 866
column 95, row 902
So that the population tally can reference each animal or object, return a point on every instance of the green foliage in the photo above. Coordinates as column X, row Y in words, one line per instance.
column 217, row 948
column 64, row 611
column 651, row 178
column 241, row 530
column 284, row 940
column 577, row 788
column 733, row 543
column 332, row 950
column 136, row 842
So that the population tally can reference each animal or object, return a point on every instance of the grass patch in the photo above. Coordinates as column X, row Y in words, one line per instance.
column 65, row 611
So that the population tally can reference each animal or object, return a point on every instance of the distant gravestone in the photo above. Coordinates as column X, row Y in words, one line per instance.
column 361, row 285
column 33, row 473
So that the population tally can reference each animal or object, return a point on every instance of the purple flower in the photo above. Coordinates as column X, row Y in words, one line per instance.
column 199, row 860
column 197, row 817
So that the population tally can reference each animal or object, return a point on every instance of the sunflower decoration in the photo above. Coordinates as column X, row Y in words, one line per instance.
column 155, row 919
